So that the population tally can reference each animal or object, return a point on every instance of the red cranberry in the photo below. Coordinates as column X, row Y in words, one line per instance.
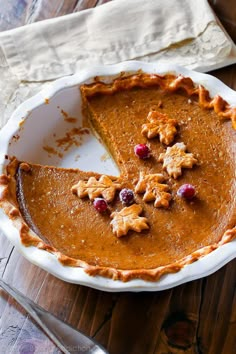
column 142, row 151
column 186, row 191
column 126, row 196
column 100, row 204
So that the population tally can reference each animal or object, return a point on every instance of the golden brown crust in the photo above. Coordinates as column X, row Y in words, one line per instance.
column 170, row 83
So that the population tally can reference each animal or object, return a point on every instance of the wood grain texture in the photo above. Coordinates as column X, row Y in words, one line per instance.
column 38, row 10
column 85, row 4
column 197, row 317
column 226, row 12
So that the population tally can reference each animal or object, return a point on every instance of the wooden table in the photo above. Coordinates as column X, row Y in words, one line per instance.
column 197, row 317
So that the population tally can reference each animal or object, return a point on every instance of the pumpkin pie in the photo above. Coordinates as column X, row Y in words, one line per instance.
column 174, row 200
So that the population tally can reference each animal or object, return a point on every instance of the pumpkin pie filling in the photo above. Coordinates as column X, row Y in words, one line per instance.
column 170, row 234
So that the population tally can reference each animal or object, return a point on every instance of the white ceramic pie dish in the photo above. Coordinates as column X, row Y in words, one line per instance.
column 31, row 134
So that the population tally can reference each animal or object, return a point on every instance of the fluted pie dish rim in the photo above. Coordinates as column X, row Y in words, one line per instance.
column 208, row 261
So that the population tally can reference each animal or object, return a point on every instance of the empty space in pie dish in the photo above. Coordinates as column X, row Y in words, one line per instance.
column 55, row 133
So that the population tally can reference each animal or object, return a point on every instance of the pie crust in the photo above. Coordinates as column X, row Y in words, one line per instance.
column 179, row 234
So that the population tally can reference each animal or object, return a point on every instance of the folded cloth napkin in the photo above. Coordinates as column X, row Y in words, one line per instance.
column 184, row 32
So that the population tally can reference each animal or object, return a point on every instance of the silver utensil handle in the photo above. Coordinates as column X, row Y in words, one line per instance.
column 66, row 338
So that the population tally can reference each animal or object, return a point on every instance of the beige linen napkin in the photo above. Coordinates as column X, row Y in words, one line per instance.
column 184, row 32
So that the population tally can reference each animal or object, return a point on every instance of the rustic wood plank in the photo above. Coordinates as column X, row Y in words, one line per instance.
column 27, row 278
column 84, row 4
column 226, row 75
column 230, row 340
column 32, row 339
column 101, row 2
column 216, row 309
column 136, row 322
column 15, row 13
column 82, row 307
column 180, row 328
column 42, row 9
column 198, row 317
column 90, row 310
column 226, row 14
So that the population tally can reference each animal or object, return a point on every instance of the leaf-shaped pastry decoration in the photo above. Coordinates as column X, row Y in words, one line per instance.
column 160, row 124
column 128, row 219
column 94, row 188
column 153, row 189
column 175, row 158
